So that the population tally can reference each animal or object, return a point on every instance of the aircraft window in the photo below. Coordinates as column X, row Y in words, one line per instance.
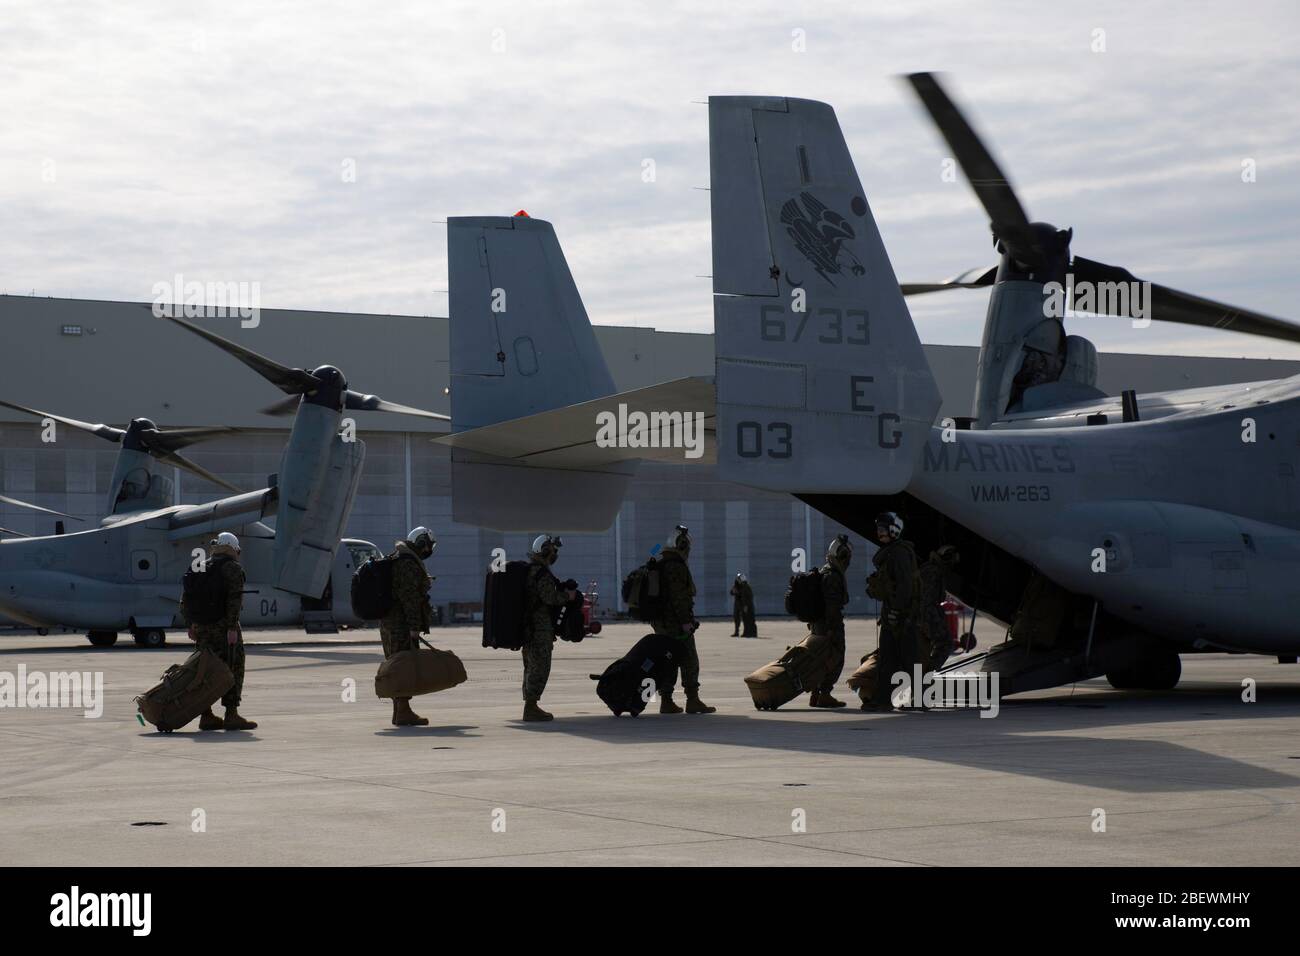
column 360, row 555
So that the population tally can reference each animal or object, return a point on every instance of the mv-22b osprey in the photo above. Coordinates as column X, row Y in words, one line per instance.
column 126, row 574
column 1114, row 538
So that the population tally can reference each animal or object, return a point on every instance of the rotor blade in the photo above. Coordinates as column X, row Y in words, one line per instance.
column 970, row 279
column 16, row 534
column 1164, row 304
column 995, row 193
column 49, row 511
column 103, row 431
column 180, row 461
column 171, row 439
column 284, row 407
column 295, row 381
column 373, row 403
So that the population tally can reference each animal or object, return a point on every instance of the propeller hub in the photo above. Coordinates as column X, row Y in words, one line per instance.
column 134, row 439
column 1052, row 246
column 330, row 389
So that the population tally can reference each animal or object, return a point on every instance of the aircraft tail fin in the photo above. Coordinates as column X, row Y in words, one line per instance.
column 521, row 344
column 822, row 385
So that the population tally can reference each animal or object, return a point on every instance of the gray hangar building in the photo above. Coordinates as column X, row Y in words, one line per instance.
column 113, row 361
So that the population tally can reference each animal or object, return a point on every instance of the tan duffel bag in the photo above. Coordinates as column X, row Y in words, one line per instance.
column 186, row 690
column 863, row 680
column 801, row 668
column 425, row 670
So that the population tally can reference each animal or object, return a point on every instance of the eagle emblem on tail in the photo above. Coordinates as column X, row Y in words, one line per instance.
column 820, row 233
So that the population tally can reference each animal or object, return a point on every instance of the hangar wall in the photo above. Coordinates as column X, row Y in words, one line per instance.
column 125, row 363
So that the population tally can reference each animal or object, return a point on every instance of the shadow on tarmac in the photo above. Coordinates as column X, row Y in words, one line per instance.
column 1045, row 737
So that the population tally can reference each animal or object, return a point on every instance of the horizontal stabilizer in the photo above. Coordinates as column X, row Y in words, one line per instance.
column 652, row 423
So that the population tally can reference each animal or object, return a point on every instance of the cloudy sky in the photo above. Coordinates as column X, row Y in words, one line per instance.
column 211, row 139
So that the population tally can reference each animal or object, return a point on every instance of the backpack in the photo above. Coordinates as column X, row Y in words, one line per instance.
column 505, row 605
column 803, row 598
column 642, row 593
column 372, row 589
column 205, row 593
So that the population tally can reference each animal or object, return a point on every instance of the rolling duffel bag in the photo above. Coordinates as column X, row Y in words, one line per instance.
column 424, row 670
column 800, row 669
column 186, row 690
column 863, row 680
column 628, row 684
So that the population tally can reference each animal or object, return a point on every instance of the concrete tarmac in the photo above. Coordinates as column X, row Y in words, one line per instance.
column 1189, row 777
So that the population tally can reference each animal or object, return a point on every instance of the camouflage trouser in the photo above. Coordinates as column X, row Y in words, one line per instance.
column 689, row 666
column 937, row 645
column 836, row 665
column 537, row 664
column 214, row 639
column 396, row 639
column 897, row 648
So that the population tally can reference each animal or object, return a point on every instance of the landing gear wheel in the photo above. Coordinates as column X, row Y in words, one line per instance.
column 102, row 638
column 151, row 637
column 1153, row 672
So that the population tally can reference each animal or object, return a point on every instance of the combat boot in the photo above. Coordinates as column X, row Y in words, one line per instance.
column 533, row 712
column 210, row 721
column 823, row 698
column 403, row 716
column 234, row 722
column 696, row 706
column 667, row 705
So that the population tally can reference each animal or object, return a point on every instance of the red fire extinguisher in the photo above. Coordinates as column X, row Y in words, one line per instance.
column 952, row 617
column 589, row 602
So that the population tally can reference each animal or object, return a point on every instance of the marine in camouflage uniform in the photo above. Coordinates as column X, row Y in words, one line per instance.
column 895, row 583
column 742, row 608
column 410, row 613
column 935, row 641
column 544, row 596
column 677, row 619
column 835, row 594
column 224, row 637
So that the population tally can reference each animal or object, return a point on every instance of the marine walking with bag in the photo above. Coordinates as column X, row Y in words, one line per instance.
column 676, row 619
column 544, row 595
column 409, row 612
column 212, row 600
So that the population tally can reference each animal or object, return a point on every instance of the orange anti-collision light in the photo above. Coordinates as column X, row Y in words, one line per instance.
column 522, row 214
